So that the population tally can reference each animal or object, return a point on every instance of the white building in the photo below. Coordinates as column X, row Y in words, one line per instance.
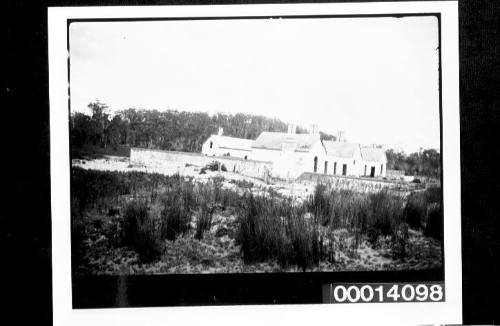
column 342, row 158
column 219, row 145
column 291, row 153
column 374, row 161
column 350, row 159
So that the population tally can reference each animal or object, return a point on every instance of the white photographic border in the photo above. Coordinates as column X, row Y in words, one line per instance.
column 448, row 312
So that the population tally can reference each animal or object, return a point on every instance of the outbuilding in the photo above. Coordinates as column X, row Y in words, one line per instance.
column 220, row 145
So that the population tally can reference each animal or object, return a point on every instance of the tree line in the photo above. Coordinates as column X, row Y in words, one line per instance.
column 426, row 162
column 165, row 130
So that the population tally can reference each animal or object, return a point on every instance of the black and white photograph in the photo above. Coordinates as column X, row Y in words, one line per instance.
column 255, row 145
column 245, row 145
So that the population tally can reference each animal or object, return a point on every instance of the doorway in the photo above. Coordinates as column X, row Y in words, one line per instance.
column 326, row 167
column 344, row 169
column 372, row 171
column 315, row 164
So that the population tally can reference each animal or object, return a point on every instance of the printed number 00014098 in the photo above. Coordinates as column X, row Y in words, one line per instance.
column 359, row 293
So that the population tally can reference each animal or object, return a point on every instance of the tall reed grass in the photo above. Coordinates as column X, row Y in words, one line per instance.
column 276, row 229
column 140, row 231
column 269, row 226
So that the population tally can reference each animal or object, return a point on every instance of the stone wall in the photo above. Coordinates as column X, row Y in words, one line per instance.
column 159, row 158
column 358, row 183
column 395, row 174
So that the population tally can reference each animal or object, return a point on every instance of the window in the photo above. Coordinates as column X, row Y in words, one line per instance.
column 211, row 144
column 246, row 157
column 315, row 164
column 334, row 168
column 326, row 167
column 381, row 169
column 344, row 169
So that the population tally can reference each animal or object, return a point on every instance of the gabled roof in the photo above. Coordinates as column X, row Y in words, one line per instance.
column 232, row 142
column 372, row 154
column 340, row 149
column 277, row 140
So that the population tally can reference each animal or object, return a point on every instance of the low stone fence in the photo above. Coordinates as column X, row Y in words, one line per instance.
column 158, row 158
column 358, row 183
column 395, row 174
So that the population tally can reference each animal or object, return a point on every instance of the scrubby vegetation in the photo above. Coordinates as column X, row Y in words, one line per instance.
column 213, row 166
column 426, row 162
column 141, row 219
column 140, row 231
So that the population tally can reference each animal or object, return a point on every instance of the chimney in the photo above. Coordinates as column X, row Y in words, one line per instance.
column 314, row 130
column 292, row 129
column 220, row 132
column 340, row 136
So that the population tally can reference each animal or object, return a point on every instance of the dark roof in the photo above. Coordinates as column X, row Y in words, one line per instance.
column 278, row 140
column 340, row 149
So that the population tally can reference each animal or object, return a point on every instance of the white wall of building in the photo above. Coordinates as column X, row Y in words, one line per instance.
column 353, row 165
column 380, row 168
column 211, row 147
column 290, row 164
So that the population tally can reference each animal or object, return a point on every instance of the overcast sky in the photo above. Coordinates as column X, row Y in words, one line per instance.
column 374, row 78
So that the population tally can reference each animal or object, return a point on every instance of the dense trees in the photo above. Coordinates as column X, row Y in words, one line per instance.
column 425, row 162
column 168, row 130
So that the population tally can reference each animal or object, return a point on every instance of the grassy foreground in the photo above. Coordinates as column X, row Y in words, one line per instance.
column 136, row 222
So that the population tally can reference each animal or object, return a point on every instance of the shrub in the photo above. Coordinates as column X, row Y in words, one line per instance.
column 399, row 241
column 384, row 212
column 415, row 209
column 433, row 194
column 96, row 189
column 319, row 203
column 213, row 166
column 101, row 190
column 372, row 236
column 434, row 225
column 204, row 222
column 274, row 229
column 244, row 184
column 139, row 231
column 176, row 213
column 304, row 240
column 417, row 206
